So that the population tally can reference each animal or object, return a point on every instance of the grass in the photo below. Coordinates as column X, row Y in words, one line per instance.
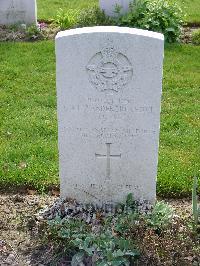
column 192, row 10
column 28, row 127
column 54, row 5
column 180, row 121
column 191, row 7
column 28, row 136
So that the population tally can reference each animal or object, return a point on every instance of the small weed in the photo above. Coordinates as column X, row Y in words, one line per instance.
column 161, row 216
column 93, row 16
column 14, row 27
column 33, row 32
column 66, row 20
column 196, row 37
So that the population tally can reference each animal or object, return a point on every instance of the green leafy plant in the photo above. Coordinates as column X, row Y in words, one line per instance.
column 33, row 32
column 114, row 239
column 106, row 245
column 93, row 16
column 14, row 27
column 161, row 216
column 66, row 20
column 163, row 16
column 68, row 228
column 196, row 37
column 195, row 207
column 128, row 206
column 118, row 9
column 105, row 249
column 130, row 202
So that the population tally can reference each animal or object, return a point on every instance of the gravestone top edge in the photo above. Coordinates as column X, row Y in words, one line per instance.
column 110, row 29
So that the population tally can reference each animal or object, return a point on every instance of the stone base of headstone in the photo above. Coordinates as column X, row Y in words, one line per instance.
column 87, row 212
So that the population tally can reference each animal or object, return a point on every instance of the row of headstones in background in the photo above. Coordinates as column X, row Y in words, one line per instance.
column 109, row 6
column 108, row 112
column 18, row 12
column 25, row 11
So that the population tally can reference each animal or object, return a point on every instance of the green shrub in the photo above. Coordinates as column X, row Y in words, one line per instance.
column 196, row 37
column 163, row 16
column 93, row 16
column 65, row 20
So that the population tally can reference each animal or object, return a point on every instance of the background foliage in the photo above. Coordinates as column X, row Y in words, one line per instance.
column 192, row 7
column 156, row 15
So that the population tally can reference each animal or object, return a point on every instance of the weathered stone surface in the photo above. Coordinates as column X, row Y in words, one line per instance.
column 109, row 6
column 109, row 82
column 18, row 11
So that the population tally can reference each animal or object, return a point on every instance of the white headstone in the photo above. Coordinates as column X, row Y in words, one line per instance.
column 109, row 82
column 18, row 11
column 109, row 6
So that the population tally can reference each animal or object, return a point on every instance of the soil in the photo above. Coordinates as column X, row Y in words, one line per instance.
column 186, row 36
column 48, row 31
column 20, row 244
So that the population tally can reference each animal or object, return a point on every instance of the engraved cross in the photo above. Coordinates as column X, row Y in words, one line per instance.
column 108, row 157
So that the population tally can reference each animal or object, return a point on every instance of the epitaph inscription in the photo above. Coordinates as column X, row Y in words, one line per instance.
column 109, row 70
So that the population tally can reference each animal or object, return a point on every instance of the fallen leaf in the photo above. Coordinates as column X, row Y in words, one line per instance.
column 190, row 258
column 22, row 165
column 55, row 192
column 31, row 191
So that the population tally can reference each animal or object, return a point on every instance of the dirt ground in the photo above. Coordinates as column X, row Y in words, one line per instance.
column 19, row 244
column 49, row 31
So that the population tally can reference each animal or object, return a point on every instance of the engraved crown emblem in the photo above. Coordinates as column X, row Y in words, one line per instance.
column 109, row 70
column 109, row 52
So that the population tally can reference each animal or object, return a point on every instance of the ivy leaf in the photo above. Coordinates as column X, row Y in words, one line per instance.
column 102, row 263
column 77, row 258
column 134, row 253
column 129, row 200
column 170, row 29
column 118, row 253
column 120, row 261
